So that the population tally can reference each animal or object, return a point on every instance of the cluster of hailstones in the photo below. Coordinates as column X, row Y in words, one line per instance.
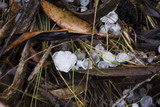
column 110, row 24
column 66, row 60
column 103, row 59
column 138, row 98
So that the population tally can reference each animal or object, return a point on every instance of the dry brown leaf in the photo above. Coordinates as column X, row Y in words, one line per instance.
column 25, row 37
column 65, row 93
column 65, row 19
column 29, row 35
column 21, row 39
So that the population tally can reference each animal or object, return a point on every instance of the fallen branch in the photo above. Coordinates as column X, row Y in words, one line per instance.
column 123, row 71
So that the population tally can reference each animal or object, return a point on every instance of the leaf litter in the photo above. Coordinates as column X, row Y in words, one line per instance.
column 113, row 62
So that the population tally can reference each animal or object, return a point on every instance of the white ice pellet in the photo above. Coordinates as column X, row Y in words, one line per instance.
column 146, row 101
column 99, row 47
column 87, row 64
column 135, row 105
column 103, row 29
column 75, row 68
column 142, row 54
column 79, row 63
column 112, row 64
column 64, row 60
column 80, row 54
column 104, row 19
column 103, row 65
column 151, row 56
column 159, row 48
column 69, row 1
column 111, row 17
column 158, row 101
column 149, row 86
column 150, row 59
column 123, row 56
column 84, row 2
column 115, row 29
column 3, row 5
column 130, row 95
column 121, row 104
column 95, row 57
column 137, row 97
column 108, row 57
column 83, row 8
column 142, row 92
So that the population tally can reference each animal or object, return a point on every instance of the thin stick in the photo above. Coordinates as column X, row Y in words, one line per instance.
column 39, row 65
column 134, row 88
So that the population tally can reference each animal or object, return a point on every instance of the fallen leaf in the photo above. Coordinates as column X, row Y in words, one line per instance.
column 65, row 19
column 65, row 93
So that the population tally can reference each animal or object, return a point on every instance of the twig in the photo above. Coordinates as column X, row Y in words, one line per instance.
column 134, row 88
column 20, row 74
column 39, row 65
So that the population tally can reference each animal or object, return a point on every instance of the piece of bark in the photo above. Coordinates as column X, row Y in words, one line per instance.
column 123, row 71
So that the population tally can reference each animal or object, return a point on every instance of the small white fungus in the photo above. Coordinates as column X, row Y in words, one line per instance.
column 64, row 60
column 123, row 56
column 84, row 2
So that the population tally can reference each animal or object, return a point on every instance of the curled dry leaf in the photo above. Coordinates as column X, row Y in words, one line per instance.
column 65, row 19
